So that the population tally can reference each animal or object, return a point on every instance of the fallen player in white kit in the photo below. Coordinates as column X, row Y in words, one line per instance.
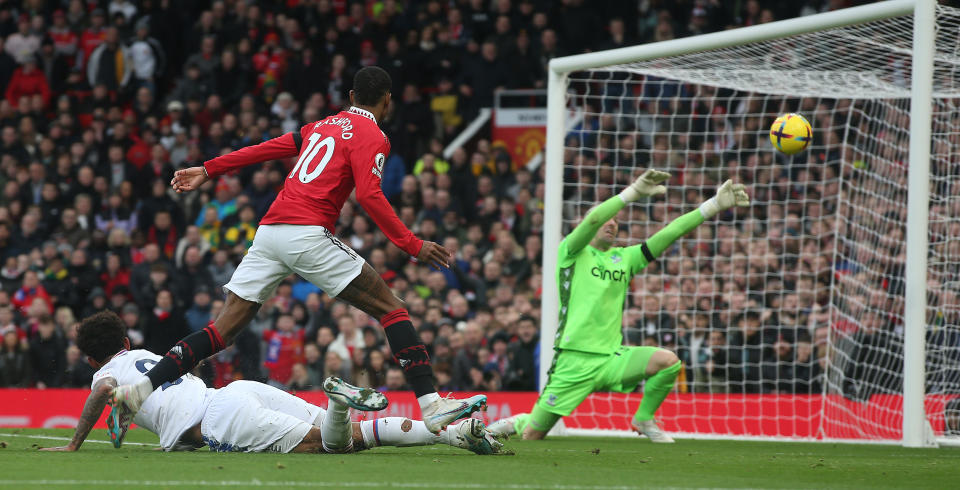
column 245, row 416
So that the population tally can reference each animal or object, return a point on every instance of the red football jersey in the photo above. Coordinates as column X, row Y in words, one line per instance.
column 334, row 155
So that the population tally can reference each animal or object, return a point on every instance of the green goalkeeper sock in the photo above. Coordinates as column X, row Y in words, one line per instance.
column 656, row 390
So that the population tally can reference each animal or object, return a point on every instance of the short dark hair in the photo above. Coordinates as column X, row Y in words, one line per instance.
column 101, row 335
column 370, row 85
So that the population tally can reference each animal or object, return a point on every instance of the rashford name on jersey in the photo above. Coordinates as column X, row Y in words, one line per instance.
column 334, row 155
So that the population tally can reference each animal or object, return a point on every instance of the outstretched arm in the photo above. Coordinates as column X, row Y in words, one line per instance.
column 284, row 146
column 728, row 196
column 188, row 179
column 648, row 184
column 91, row 413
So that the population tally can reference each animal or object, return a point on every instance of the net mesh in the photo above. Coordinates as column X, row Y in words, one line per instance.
column 801, row 296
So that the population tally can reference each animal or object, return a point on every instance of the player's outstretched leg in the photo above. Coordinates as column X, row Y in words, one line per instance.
column 661, row 370
column 369, row 293
column 469, row 434
column 187, row 353
column 336, row 430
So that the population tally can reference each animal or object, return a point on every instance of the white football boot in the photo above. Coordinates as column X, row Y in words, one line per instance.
column 444, row 411
column 650, row 429
column 363, row 399
column 470, row 434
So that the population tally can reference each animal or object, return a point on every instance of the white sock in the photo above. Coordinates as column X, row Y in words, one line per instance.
column 144, row 388
column 426, row 400
column 398, row 431
column 336, row 430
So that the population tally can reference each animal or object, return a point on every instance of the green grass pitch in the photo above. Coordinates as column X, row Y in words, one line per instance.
column 598, row 463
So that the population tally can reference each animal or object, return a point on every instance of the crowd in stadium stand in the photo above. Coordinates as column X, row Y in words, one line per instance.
column 105, row 99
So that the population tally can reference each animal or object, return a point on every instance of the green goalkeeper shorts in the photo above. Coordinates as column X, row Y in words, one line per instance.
column 575, row 375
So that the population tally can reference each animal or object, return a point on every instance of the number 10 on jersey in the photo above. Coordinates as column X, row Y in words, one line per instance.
column 306, row 157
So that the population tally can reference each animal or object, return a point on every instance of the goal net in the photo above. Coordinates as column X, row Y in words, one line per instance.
column 789, row 314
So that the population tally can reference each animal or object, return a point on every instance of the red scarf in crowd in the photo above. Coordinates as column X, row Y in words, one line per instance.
column 169, row 246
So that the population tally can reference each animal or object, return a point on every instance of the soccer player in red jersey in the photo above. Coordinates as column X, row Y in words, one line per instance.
column 336, row 154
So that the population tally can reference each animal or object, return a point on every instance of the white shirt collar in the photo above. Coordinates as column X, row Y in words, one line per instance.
column 362, row 112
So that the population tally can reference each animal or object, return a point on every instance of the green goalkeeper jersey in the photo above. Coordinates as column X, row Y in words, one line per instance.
column 593, row 286
column 594, row 283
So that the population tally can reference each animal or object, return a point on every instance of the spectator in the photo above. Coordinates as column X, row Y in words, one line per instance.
column 299, row 378
column 192, row 276
column 481, row 77
column 164, row 233
column 147, row 56
column 284, row 349
column 54, row 67
column 92, row 37
column 394, row 380
column 220, row 268
column 47, row 352
column 415, row 121
column 30, row 292
column 115, row 274
column 79, row 373
column 313, row 363
column 523, row 370
column 348, row 339
column 747, row 350
column 191, row 238
column 27, row 81
column 116, row 214
column 16, row 367
column 372, row 372
column 467, row 356
column 111, row 63
column 239, row 237
column 333, row 365
column 198, row 314
column 65, row 39
column 82, row 276
column 230, row 79
column 164, row 325
column 70, row 229
column 23, row 44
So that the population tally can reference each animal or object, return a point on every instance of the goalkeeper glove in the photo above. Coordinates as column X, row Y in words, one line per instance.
column 646, row 185
column 728, row 196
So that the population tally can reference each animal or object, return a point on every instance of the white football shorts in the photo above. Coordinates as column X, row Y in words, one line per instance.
column 311, row 252
column 253, row 417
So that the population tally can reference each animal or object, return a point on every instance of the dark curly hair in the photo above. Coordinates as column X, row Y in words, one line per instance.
column 370, row 85
column 101, row 335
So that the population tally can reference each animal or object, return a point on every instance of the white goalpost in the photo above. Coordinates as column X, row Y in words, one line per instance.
column 830, row 309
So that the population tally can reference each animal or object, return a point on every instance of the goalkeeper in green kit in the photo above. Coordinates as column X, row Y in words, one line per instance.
column 593, row 277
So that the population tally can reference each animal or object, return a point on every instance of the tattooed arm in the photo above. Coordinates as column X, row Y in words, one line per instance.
column 91, row 413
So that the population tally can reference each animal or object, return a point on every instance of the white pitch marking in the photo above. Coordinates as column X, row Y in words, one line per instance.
column 341, row 484
column 56, row 438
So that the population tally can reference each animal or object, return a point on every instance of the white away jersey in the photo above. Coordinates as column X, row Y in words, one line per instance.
column 171, row 409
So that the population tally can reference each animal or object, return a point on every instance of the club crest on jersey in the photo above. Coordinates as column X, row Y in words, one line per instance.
column 378, row 162
column 552, row 400
column 615, row 259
